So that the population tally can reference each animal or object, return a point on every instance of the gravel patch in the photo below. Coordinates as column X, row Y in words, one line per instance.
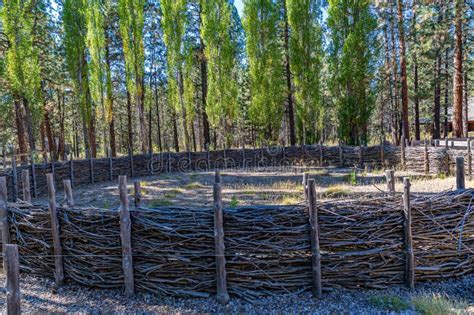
column 38, row 295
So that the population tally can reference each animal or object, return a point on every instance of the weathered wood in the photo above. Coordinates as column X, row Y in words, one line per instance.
column 71, row 171
column 402, row 154
column 217, row 177
column 426, row 159
column 91, row 163
column 126, row 237
column 361, row 156
column 460, row 178
column 321, row 154
column 14, row 180
column 130, row 158
column 137, row 193
column 303, row 154
column 314, row 234
column 111, row 167
column 446, row 142
column 410, row 259
column 382, row 152
column 4, row 216
column 208, row 160
column 12, row 271
column 304, row 182
column 221, row 276
column 58, row 259
column 33, row 175
column 469, row 159
column 25, row 181
column 68, row 193
column 390, row 177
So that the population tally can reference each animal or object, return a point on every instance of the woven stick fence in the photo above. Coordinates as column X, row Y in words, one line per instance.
column 363, row 243
column 82, row 172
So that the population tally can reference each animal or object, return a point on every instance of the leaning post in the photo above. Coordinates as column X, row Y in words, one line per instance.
column 58, row 258
column 68, row 192
column 12, row 271
column 4, row 217
column 460, row 178
column 221, row 276
column 126, row 237
column 314, row 234
column 25, row 180
column 410, row 258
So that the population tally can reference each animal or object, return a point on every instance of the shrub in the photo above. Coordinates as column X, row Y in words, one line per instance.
column 434, row 304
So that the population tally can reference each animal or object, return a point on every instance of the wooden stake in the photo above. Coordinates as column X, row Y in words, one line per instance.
column 33, row 175
column 304, row 182
column 25, row 180
column 130, row 158
column 137, row 196
column 426, row 159
column 410, row 259
column 460, row 180
column 4, row 217
column 217, row 177
column 68, row 193
column 390, row 176
column 382, row 153
column 58, row 259
column 469, row 159
column 221, row 277
column 314, row 234
column 14, row 179
column 71, row 171
column 446, row 142
column 13, row 280
column 126, row 237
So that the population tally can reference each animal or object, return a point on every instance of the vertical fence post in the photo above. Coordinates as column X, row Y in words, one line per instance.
column 33, row 175
column 58, row 259
column 71, row 170
column 14, row 179
column 217, row 176
column 410, row 258
column 91, row 163
column 382, row 152
column 111, row 169
column 68, row 193
column 137, row 193
column 402, row 152
column 361, row 156
column 469, row 159
column 12, row 270
column 221, row 277
column 126, row 237
column 25, row 180
column 390, row 176
column 446, row 142
column 321, row 154
column 130, row 159
column 460, row 178
column 426, row 159
column 304, row 182
column 314, row 233
column 207, row 157
column 4, row 217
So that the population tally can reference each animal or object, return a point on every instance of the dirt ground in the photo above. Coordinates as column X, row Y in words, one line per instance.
column 269, row 186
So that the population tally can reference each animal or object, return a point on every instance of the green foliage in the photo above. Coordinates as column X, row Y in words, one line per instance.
column 352, row 28
column 390, row 302
column 352, row 178
column 234, row 202
column 306, row 54
column 435, row 304
column 160, row 203
column 261, row 18
column 220, row 53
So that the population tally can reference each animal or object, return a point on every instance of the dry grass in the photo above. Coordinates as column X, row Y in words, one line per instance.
column 436, row 304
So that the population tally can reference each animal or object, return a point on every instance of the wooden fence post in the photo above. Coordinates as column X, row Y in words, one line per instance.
column 217, row 177
column 130, row 158
column 321, row 154
column 12, row 271
column 426, row 159
column 33, row 175
column 58, row 258
column 446, row 142
column 208, row 157
column 68, row 192
column 304, row 182
column 314, row 233
column 469, row 159
column 111, row 169
column 382, row 152
column 4, row 217
column 402, row 153
column 361, row 156
column 137, row 193
column 14, row 179
column 390, row 176
column 410, row 258
column 460, row 178
column 126, row 237
column 91, row 162
column 25, row 180
column 71, row 170
column 221, row 277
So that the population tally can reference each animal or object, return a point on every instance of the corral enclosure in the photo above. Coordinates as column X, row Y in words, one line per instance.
column 268, row 248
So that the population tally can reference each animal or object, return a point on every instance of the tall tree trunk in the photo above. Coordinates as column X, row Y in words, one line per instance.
column 140, row 88
column 49, row 134
column 20, row 128
column 465, row 83
column 129, row 122
column 458, row 73
column 61, row 144
column 403, row 68
column 415, row 83
column 158, row 120
column 437, row 98
column 183, row 110
column 290, row 109
column 109, row 98
column 396, row 110
column 175, row 131
column 29, row 125
column 446, row 94
column 205, row 120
